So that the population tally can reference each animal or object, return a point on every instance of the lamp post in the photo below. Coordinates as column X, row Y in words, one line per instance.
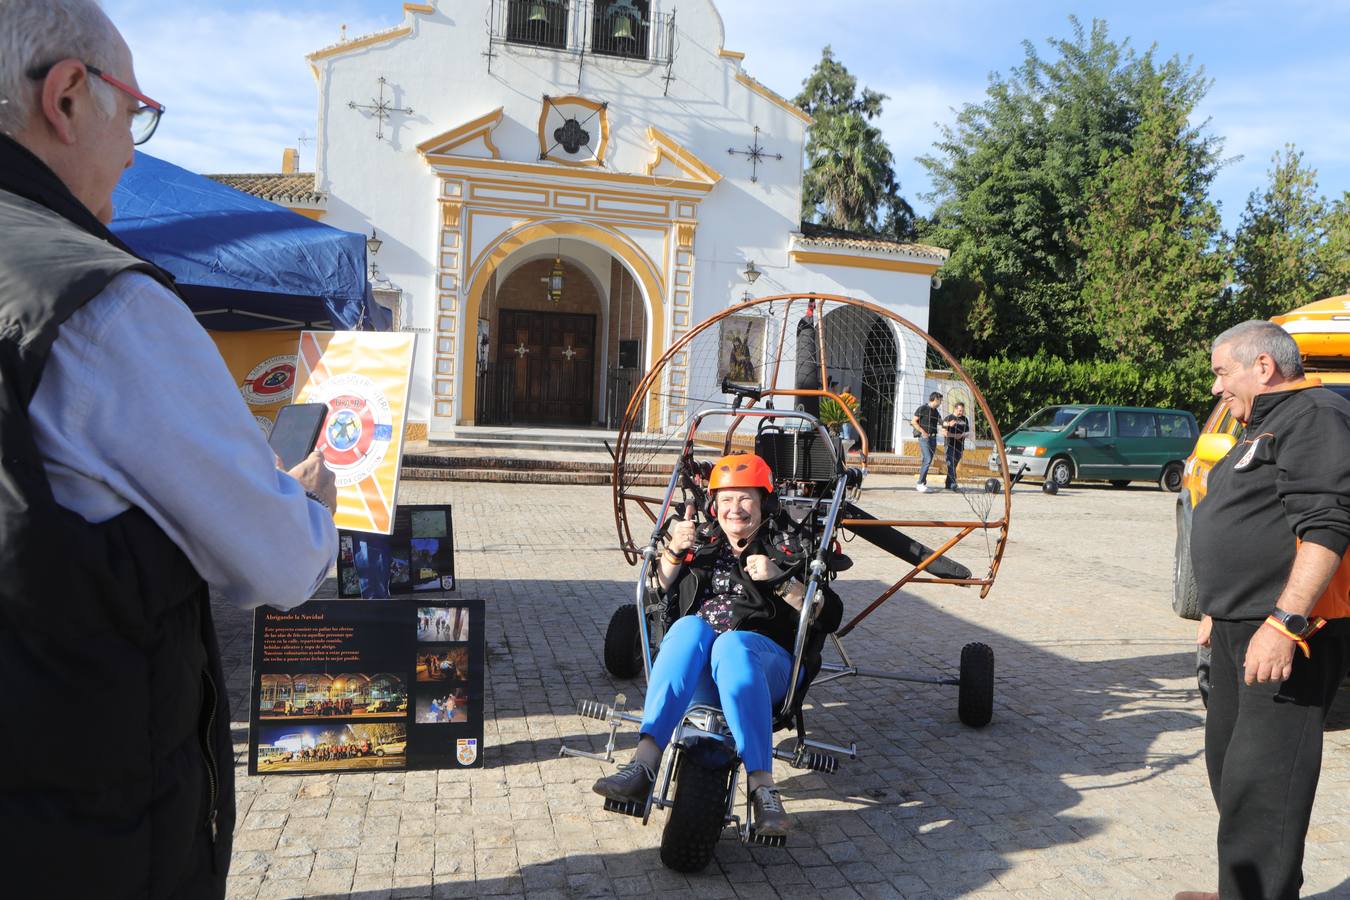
column 555, row 280
column 373, row 245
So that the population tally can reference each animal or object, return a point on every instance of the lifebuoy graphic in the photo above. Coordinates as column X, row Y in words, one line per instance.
column 270, row 381
column 358, row 429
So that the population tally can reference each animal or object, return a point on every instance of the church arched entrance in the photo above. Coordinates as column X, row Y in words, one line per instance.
column 565, row 359
column 862, row 358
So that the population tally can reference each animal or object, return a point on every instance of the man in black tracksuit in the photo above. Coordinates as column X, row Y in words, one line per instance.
column 1267, row 542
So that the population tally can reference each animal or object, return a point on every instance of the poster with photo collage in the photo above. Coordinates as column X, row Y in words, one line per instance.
column 417, row 557
column 367, row 685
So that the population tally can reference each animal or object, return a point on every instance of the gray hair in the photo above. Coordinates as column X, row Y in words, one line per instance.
column 1248, row 340
column 37, row 33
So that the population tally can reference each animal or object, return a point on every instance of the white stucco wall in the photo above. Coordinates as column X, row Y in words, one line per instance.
column 439, row 69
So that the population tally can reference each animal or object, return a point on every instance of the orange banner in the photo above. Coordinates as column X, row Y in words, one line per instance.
column 363, row 377
column 263, row 366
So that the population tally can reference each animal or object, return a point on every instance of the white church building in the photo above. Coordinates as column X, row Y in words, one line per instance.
column 561, row 189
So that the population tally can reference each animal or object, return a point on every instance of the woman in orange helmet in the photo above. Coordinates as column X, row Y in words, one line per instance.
column 732, row 644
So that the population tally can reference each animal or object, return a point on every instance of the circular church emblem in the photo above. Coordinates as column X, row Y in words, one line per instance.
column 270, row 381
column 359, row 428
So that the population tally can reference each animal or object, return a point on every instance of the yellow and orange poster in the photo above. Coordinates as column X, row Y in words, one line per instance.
column 363, row 376
column 263, row 365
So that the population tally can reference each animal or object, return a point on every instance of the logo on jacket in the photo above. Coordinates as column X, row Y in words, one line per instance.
column 1246, row 460
column 270, row 381
column 466, row 751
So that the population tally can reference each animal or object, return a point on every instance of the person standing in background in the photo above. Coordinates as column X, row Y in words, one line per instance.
column 955, row 428
column 926, row 422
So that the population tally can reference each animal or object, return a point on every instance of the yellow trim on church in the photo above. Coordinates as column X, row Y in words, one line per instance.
column 809, row 257
column 668, row 148
column 418, row 8
column 730, row 54
column 358, row 43
column 480, row 127
column 548, row 171
column 772, row 97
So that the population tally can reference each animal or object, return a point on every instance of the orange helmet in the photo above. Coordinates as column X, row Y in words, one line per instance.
column 740, row 470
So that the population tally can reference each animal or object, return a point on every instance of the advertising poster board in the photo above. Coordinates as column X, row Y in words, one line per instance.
column 417, row 557
column 263, row 365
column 363, row 376
column 366, row 685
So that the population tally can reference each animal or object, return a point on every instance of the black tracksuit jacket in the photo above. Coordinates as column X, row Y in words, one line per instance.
column 1287, row 479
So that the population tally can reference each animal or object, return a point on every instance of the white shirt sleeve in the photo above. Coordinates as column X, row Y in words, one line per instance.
column 136, row 408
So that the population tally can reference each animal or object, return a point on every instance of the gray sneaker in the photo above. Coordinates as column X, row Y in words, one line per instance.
column 631, row 784
column 766, row 808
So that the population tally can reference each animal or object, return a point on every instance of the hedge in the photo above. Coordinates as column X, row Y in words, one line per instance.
column 1016, row 388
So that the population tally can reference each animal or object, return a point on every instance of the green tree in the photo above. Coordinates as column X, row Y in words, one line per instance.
column 1278, row 242
column 1012, row 182
column 1332, row 264
column 849, row 180
column 1154, row 258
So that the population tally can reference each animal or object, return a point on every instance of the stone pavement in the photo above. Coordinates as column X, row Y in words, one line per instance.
column 1089, row 782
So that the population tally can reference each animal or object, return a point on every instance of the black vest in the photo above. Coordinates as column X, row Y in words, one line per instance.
column 118, row 780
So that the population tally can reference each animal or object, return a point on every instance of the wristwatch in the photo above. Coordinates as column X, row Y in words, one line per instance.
column 1297, row 625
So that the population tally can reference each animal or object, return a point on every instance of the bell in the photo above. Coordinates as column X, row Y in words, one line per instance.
column 623, row 13
column 538, row 12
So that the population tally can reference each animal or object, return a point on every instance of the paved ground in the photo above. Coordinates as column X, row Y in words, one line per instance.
column 1089, row 781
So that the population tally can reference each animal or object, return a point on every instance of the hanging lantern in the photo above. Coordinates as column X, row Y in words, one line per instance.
column 555, row 280
column 624, row 13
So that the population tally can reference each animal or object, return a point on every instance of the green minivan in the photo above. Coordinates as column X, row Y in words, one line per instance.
column 1087, row 442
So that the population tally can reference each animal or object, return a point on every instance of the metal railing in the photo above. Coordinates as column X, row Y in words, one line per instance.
column 619, row 387
column 496, row 383
column 600, row 27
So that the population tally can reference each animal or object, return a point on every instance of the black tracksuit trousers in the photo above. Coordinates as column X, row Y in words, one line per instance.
column 1263, row 746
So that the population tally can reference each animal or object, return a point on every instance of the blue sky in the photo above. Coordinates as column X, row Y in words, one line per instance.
column 238, row 90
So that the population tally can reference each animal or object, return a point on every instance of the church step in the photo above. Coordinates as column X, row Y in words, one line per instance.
column 535, row 463
column 522, row 476
column 546, row 468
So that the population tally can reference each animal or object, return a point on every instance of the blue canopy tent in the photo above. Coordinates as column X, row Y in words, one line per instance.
column 242, row 263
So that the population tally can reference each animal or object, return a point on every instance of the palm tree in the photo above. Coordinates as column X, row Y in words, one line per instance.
column 849, row 181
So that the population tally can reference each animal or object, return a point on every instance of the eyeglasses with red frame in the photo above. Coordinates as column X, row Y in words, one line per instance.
column 144, row 120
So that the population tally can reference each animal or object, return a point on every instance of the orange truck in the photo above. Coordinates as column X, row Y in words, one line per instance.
column 1322, row 331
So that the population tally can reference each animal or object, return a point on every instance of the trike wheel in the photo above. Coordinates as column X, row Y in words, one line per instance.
column 623, row 644
column 697, row 814
column 975, row 699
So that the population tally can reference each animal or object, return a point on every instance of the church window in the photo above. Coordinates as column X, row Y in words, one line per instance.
column 541, row 23
column 621, row 28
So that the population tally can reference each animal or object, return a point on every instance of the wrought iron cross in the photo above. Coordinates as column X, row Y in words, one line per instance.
column 380, row 109
column 572, row 136
column 756, row 154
